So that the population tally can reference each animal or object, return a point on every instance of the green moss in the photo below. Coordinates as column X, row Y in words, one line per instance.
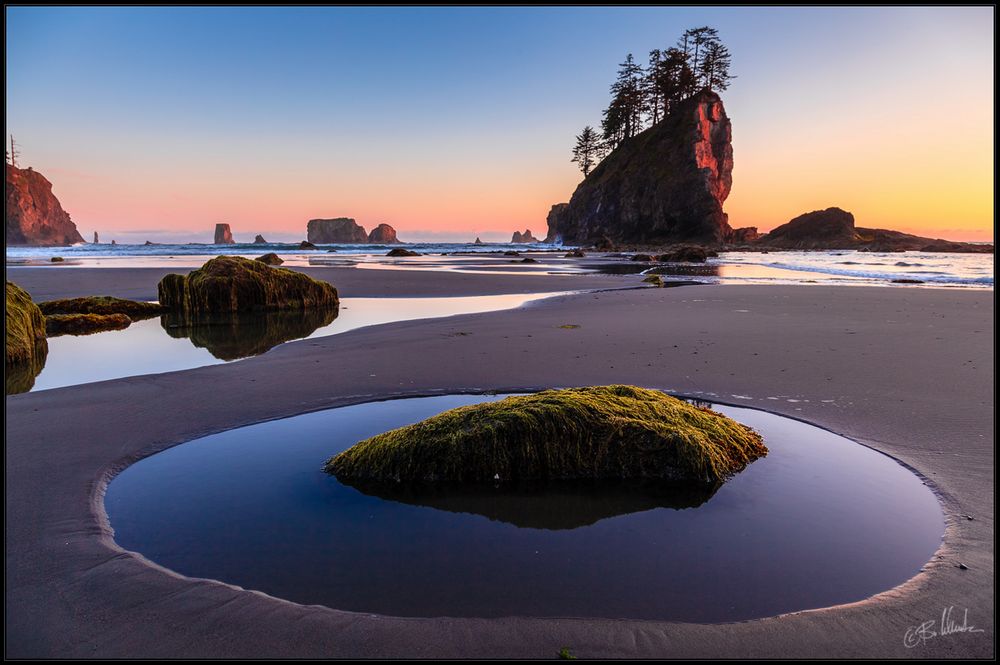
column 103, row 305
column 25, row 328
column 655, row 280
column 84, row 324
column 234, row 284
column 243, row 334
column 601, row 432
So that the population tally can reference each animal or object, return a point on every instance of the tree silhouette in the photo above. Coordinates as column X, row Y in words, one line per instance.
column 623, row 117
column 715, row 66
column 588, row 150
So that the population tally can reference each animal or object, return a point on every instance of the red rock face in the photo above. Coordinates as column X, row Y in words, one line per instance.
column 34, row 215
column 223, row 235
column 713, row 149
column 383, row 234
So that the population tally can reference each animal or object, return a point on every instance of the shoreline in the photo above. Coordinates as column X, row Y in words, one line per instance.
column 895, row 389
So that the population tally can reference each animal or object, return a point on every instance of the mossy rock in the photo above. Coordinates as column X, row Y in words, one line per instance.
column 103, row 305
column 244, row 334
column 57, row 259
column 270, row 259
column 235, row 284
column 84, row 324
column 655, row 280
column 25, row 328
column 575, row 254
column 603, row 432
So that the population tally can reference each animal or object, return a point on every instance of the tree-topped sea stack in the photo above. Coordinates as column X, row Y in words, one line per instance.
column 664, row 185
column 603, row 432
column 234, row 284
column 34, row 215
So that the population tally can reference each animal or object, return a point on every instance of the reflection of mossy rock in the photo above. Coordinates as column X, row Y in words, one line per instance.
column 549, row 505
column 601, row 432
column 244, row 334
column 20, row 377
column 270, row 259
column 235, row 284
column 134, row 309
column 25, row 328
column 84, row 324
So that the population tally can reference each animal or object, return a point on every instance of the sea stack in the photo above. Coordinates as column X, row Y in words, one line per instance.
column 525, row 237
column 383, row 234
column 259, row 240
column 96, row 241
column 34, row 215
column 223, row 235
column 665, row 185
column 339, row 230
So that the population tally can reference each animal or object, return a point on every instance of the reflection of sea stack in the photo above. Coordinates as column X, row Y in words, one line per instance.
column 223, row 235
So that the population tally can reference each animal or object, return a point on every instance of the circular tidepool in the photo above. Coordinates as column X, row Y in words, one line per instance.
column 820, row 521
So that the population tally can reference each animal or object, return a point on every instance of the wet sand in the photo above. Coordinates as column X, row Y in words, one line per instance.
column 907, row 371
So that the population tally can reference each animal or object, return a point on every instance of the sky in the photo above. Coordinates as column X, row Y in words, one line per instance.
column 448, row 123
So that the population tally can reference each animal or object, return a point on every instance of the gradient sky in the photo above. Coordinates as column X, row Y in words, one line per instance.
column 450, row 123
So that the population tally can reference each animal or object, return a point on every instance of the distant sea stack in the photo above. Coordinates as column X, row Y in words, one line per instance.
column 223, row 235
column 34, row 215
column 519, row 237
column 336, row 231
column 259, row 240
column 383, row 234
column 96, row 241
column 834, row 228
column 664, row 185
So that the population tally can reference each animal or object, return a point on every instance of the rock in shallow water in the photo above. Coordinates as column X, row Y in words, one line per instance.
column 236, row 284
column 602, row 432
column 25, row 328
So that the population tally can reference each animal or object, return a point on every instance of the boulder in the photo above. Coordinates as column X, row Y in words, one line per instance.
column 25, row 328
column 687, row 254
column 667, row 184
column 34, row 214
column 305, row 244
column 84, row 324
column 235, row 284
column 102, row 306
column 399, row 251
column 223, row 235
column 601, row 432
column 340, row 230
column 383, row 234
column 575, row 254
column 270, row 259
column 57, row 259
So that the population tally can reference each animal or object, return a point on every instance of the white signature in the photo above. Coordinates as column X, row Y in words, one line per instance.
column 920, row 634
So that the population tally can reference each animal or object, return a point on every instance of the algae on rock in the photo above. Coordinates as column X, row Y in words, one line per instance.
column 102, row 305
column 235, row 284
column 600, row 432
column 26, row 344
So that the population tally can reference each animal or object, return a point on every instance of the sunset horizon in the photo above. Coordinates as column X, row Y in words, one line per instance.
column 469, row 134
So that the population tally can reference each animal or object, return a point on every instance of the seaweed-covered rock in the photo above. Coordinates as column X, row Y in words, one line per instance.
column 575, row 254
column 236, row 284
column 270, row 259
column 25, row 328
column 399, row 251
column 602, row 432
column 57, row 259
column 84, row 324
column 655, row 280
column 102, row 305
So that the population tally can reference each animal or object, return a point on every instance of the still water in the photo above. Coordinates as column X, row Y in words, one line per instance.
column 161, row 345
column 820, row 521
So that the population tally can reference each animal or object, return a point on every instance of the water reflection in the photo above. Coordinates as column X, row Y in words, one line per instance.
column 241, row 335
column 553, row 505
column 20, row 377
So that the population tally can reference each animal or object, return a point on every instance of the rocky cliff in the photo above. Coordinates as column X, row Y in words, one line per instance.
column 664, row 185
column 338, row 230
column 834, row 228
column 383, row 234
column 34, row 215
column 223, row 235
